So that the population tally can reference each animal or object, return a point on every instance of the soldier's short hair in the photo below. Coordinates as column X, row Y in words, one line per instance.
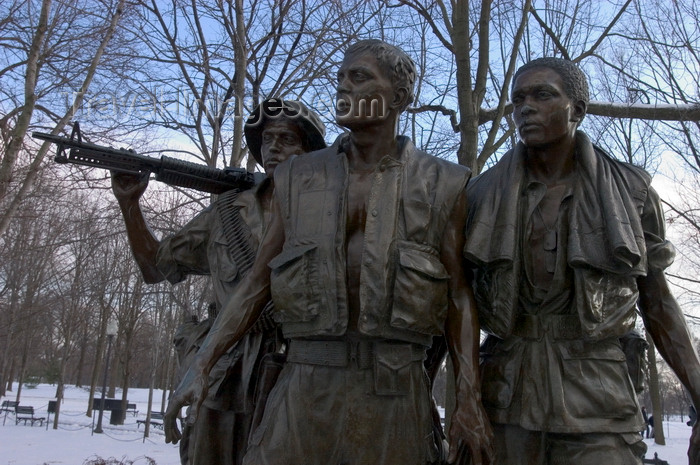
column 575, row 81
column 396, row 63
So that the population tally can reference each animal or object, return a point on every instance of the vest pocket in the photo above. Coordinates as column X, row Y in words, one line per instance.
column 500, row 371
column 596, row 380
column 420, row 292
column 294, row 284
column 605, row 303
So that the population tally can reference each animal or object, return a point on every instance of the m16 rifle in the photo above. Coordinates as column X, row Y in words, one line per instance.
column 166, row 169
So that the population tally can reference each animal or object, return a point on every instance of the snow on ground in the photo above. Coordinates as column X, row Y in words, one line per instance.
column 675, row 452
column 74, row 444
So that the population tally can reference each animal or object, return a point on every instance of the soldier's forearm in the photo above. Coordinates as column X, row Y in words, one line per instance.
column 463, row 342
column 664, row 320
column 676, row 347
column 237, row 317
column 144, row 245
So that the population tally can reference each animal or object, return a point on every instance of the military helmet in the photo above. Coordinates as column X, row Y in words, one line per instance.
column 311, row 126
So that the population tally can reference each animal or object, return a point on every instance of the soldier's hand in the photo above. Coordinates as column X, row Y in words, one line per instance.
column 694, row 450
column 191, row 391
column 470, row 436
column 129, row 187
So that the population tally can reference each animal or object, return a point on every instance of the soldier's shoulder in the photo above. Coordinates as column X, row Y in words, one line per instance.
column 440, row 163
column 630, row 171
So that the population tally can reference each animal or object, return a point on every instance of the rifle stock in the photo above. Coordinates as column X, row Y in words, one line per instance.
column 166, row 169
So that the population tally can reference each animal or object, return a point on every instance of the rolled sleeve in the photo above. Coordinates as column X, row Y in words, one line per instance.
column 185, row 252
column 660, row 252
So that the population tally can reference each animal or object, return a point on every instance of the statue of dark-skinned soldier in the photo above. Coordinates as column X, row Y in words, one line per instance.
column 363, row 262
column 566, row 243
column 222, row 241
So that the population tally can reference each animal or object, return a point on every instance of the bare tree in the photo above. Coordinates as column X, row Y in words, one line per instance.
column 49, row 54
column 206, row 64
column 28, row 254
column 191, row 71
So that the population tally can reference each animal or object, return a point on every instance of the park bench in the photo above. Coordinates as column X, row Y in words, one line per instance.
column 132, row 408
column 9, row 405
column 25, row 413
column 156, row 420
column 655, row 461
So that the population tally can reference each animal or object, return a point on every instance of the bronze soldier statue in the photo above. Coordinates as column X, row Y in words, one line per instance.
column 566, row 242
column 222, row 242
column 362, row 260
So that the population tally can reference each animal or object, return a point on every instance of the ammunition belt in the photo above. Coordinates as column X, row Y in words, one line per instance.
column 243, row 255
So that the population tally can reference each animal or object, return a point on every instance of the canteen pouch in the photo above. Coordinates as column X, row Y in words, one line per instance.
column 392, row 368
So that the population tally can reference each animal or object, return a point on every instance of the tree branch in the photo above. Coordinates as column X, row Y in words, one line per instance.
column 683, row 278
column 691, row 221
column 655, row 112
column 605, row 33
column 440, row 109
column 551, row 34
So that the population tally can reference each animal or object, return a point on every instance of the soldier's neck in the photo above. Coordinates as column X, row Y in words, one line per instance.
column 551, row 166
column 368, row 146
column 265, row 195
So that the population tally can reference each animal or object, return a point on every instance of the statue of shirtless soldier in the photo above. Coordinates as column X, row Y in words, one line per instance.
column 362, row 260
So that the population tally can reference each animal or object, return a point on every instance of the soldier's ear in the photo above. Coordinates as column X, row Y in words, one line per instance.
column 400, row 98
column 580, row 108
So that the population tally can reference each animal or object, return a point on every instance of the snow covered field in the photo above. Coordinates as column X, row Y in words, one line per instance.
column 73, row 444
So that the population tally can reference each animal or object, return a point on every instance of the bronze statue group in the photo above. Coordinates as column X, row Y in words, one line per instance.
column 337, row 276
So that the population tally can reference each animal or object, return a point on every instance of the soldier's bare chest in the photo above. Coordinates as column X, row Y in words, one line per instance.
column 359, row 188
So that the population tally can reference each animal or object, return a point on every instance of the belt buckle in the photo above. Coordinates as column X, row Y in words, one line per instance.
column 360, row 354
column 353, row 353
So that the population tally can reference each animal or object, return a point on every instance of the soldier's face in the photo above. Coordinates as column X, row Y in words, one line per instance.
column 280, row 139
column 543, row 113
column 364, row 92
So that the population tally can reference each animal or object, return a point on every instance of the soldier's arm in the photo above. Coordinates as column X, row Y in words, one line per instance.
column 240, row 313
column 663, row 316
column 248, row 300
column 470, row 432
column 128, row 189
column 664, row 320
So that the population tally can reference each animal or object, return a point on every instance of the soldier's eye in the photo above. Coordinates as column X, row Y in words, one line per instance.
column 359, row 77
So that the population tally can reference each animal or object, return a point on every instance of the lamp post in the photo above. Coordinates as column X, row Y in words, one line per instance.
column 111, row 332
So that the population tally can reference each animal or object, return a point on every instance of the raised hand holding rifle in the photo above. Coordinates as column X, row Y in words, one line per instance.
column 130, row 175
column 166, row 169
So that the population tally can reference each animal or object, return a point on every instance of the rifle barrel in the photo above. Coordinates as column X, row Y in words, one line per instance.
column 166, row 169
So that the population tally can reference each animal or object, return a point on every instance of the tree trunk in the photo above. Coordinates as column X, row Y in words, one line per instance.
column 170, row 371
column 12, row 150
column 20, row 381
column 22, row 369
column 30, row 84
column 99, row 355
column 10, row 377
column 657, row 409
column 59, row 398
column 81, row 359
column 450, row 391
column 151, row 384
column 8, row 353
